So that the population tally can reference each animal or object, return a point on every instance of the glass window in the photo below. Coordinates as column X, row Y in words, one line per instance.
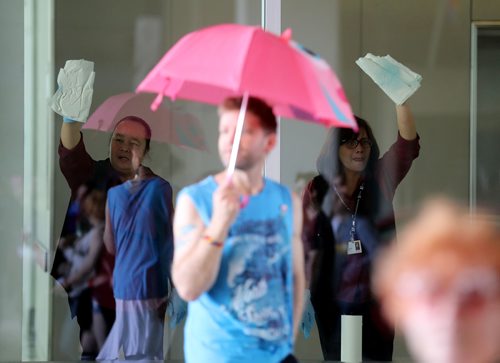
column 456, row 120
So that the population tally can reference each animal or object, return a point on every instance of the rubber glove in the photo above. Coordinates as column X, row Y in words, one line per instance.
column 308, row 315
column 176, row 309
column 396, row 80
column 73, row 98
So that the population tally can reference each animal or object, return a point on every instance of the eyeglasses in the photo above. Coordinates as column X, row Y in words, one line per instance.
column 353, row 143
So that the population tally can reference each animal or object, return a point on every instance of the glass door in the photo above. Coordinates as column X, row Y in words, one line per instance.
column 485, row 115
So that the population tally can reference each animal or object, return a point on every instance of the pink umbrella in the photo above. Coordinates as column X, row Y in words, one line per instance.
column 173, row 127
column 228, row 60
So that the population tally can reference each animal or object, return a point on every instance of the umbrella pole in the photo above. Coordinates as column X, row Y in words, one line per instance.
column 237, row 135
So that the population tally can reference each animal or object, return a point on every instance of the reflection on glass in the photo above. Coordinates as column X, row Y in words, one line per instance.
column 348, row 217
column 126, row 37
column 124, row 48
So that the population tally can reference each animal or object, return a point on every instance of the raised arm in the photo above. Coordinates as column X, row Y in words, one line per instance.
column 73, row 98
column 397, row 161
column 299, row 280
column 70, row 134
column 406, row 122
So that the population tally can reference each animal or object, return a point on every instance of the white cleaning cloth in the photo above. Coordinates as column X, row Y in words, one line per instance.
column 395, row 79
column 74, row 95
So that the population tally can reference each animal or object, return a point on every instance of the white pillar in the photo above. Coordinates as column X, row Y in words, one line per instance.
column 271, row 21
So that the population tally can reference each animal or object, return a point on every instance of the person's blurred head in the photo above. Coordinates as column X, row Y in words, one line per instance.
column 94, row 205
column 258, row 136
column 441, row 284
column 132, row 135
column 347, row 151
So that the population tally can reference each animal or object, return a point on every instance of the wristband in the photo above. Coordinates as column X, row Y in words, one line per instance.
column 68, row 120
column 213, row 242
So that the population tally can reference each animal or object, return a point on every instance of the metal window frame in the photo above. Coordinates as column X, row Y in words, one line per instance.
column 475, row 26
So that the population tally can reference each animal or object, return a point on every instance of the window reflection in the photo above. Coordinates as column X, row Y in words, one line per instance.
column 124, row 39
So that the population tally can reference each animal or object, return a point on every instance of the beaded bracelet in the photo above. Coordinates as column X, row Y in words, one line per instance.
column 213, row 242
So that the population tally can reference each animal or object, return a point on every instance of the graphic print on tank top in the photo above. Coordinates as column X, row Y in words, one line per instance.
column 256, row 275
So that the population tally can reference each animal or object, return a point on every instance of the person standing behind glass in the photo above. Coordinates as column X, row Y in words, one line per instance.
column 89, row 280
column 348, row 216
column 72, row 101
column 139, row 232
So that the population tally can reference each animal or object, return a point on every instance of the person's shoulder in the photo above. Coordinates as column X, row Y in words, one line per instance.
column 104, row 163
column 116, row 188
column 156, row 179
column 270, row 183
column 103, row 169
column 273, row 186
column 318, row 184
column 319, row 180
column 206, row 184
column 400, row 140
column 203, row 183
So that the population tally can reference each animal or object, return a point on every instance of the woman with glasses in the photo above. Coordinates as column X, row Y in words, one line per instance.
column 348, row 216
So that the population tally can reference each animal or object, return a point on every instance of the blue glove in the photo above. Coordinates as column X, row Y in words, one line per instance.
column 68, row 120
column 176, row 310
column 308, row 315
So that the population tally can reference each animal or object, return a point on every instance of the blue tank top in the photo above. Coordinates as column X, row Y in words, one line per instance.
column 140, row 214
column 247, row 315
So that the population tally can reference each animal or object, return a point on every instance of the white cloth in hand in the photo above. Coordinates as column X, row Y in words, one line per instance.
column 74, row 95
column 396, row 80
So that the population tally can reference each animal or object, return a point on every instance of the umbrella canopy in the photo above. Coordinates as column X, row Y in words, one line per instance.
column 228, row 60
column 169, row 126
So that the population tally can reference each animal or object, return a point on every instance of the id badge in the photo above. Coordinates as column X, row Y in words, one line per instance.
column 354, row 247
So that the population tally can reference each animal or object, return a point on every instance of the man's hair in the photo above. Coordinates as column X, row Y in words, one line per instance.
column 257, row 107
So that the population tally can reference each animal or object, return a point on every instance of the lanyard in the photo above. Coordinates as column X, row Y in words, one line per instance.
column 353, row 215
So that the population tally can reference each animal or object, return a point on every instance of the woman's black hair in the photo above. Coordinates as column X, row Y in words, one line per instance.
column 332, row 170
column 143, row 123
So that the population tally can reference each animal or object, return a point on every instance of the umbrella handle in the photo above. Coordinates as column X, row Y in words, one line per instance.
column 237, row 135
column 157, row 102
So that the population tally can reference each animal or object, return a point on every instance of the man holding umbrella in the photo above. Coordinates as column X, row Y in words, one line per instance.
column 238, row 255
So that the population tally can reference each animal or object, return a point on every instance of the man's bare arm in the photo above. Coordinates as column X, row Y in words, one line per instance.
column 198, row 247
column 196, row 260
